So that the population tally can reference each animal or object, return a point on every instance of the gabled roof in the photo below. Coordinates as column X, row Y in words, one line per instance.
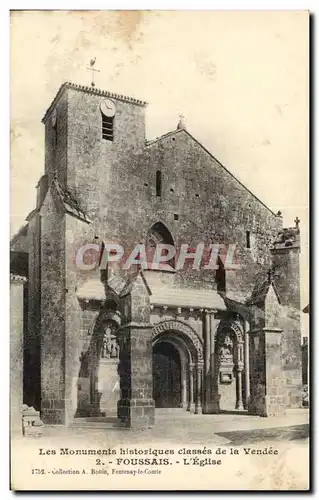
column 164, row 136
column 260, row 292
column 178, row 131
column 32, row 213
column 69, row 202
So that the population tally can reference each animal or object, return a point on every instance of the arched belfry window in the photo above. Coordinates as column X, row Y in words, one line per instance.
column 107, row 128
column 159, row 234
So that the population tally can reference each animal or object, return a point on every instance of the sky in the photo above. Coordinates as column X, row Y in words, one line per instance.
column 240, row 78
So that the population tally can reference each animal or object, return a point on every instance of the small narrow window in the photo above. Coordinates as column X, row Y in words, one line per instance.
column 158, row 183
column 175, row 216
column 220, row 277
column 55, row 135
column 247, row 239
column 107, row 128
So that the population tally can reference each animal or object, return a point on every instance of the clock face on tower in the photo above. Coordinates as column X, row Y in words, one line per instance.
column 108, row 108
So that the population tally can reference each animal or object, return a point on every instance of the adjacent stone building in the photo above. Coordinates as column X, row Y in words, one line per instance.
column 125, row 341
column 16, row 353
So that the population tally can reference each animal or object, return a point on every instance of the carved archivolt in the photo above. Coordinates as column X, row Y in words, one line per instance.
column 111, row 316
column 230, row 326
column 182, row 328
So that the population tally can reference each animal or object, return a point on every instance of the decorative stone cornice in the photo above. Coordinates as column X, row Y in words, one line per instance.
column 133, row 324
column 15, row 278
column 91, row 90
column 266, row 330
column 287, row 238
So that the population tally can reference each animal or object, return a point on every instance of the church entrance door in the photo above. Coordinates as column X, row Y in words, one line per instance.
column 166, row 375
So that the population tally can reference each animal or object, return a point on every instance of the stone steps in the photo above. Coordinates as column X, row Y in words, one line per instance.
column 108, row 422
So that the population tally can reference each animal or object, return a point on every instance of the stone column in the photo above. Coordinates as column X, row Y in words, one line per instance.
column 240, row 367
column 246, row 360
column 136, row 408
column 207, row 360
column 212, row 402
column 183, row 385
column 191, row 386
column 198, row 398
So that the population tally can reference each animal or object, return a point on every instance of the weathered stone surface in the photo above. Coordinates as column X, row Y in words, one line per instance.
column 32, row 425
column 115, row 185
column 268, row 391
column 16, row 351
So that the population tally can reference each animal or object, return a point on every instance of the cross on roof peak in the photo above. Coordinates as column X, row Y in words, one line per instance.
column 297, row 221
column 181, row 123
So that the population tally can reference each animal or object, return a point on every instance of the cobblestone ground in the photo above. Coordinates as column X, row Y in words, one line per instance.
column 177, row 425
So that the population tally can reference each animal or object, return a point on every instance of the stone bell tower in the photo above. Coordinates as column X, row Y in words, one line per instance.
column 89, row 135
column 92, row 137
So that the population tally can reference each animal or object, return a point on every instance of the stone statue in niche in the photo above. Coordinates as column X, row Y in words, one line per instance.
column 105, row 347
column 114, row 349
column 226, row 350
column 226, row 361
column 110, row 348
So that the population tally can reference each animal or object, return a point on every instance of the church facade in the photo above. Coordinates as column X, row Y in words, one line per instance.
column 117, row 341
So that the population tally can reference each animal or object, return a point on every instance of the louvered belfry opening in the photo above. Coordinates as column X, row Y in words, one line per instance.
column 107, row 128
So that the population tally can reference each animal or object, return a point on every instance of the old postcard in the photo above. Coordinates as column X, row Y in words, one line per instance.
column 159, row 250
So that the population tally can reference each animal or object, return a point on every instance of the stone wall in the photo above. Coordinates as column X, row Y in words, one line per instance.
column 287, row 275
column 56, row 142
column 272, row 314
column 94, row 163
column 76, row 335
column 115, row 183
column 289, row 321
column 32, row 351
column 305, row 362
column 16, row 353
column 53, row 304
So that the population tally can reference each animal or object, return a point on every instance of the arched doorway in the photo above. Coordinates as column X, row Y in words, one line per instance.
column 167, row 388
column 177, row 348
